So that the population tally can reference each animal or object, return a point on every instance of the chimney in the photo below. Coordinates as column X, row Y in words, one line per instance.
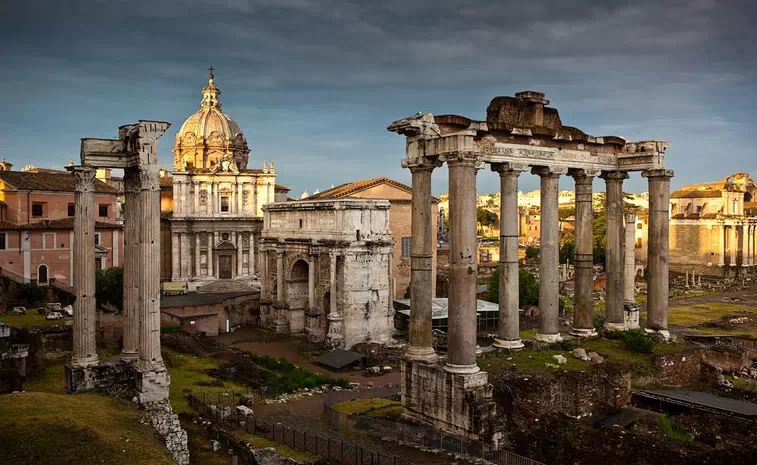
column 534, row 106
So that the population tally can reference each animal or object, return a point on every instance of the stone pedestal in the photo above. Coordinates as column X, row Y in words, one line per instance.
column 335, row 335
column 79, row 379
column 152, row 385
column 281, row 319
column 458, row 403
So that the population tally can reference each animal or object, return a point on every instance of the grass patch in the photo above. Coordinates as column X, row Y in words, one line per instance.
column 695, row 315
column 186, row 372
column 285, row 451
column 529, row 360
column 45, row 425
column 32, row 320
column 634, row 341
column 614, row 351
column 673, row 429
column 199, row 446
column 299, row 378
column 378, row 407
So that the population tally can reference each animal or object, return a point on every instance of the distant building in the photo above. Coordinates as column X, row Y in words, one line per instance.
column 400, row 196
column 713, row 226
column 36, row 225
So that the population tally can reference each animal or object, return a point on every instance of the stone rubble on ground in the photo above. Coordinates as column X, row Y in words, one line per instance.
column 560, row 359
column 595, row 358
column 580, row 354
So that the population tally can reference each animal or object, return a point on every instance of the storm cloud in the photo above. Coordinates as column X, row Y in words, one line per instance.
column 313, row 84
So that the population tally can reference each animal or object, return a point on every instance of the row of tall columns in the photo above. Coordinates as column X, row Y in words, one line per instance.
column 84, row 343
column 181, row 255
column 584, row 262
column 187, row 198
column 614, row 263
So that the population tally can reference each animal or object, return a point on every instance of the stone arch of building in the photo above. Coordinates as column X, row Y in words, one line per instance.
column 43, row 277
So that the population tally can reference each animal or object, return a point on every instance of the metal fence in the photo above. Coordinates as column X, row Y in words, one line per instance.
column 422, row 436
column 334, row 450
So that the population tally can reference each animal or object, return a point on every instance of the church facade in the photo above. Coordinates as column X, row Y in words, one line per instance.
column 213, row 200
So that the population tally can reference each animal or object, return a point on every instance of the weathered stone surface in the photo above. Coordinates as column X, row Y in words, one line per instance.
column 166, row 423
column 580, row 354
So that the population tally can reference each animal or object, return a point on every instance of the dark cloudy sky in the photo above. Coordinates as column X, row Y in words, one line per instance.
column 314, row 84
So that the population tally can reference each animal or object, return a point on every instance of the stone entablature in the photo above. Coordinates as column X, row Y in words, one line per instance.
column 326, row 270
column 222, row 195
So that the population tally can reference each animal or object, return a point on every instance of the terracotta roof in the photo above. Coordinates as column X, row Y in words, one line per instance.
column 281, row 187
column 63, row 223
column 696, row 194
column 63, row 182
column 347, row 189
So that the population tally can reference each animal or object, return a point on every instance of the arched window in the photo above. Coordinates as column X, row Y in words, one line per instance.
column 299, row 271
column 42, row 275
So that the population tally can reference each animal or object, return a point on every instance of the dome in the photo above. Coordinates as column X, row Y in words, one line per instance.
column 209, row 135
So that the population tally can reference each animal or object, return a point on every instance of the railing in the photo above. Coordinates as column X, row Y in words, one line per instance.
column 13, row 276
column 422, row 436
column 334, row 450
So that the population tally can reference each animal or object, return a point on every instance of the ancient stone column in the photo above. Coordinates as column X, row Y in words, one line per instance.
column 658, row 252
column 420, row 346
column 629, row 278
column 130, row 351
column 722, row 249
column 251, row 253
column 240, row 259
column 614, row 250
column 153, row 379
column 280, row 276
column 211, row 244
column 334, row 336
column 508, row 335
column 198, row 256
column 196, row 198
column 175, row 257
column 733, row 244
column 461, row 335
column 311, row 281
column 583, row 325
column 549, row 256
column 85, row 324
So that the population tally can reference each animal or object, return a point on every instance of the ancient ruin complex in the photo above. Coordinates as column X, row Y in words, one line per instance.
column 327, row 270
column 520, row 133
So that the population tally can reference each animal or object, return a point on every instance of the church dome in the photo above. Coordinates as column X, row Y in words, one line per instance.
column 209, row 135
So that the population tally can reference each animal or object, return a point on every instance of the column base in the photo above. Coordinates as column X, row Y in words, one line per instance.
column 85, row 362
column 421, row 354
column 584, row 333
column 615, row 326
column 79, row 379
column 152, row 385
column 663, row 334
column 129, row 356
column 508, row 345
column 548, row 338
column 461, row 369
column 632, row 311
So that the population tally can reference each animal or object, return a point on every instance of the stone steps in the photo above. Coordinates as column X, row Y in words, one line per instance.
column 226, row 286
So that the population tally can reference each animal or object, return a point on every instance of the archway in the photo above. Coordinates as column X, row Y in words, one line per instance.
column 42, row 275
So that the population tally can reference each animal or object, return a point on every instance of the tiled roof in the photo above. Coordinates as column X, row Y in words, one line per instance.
column 281, row 187
column 347, row 189
column 63, row 182
column 63, row 223
column 696, row 194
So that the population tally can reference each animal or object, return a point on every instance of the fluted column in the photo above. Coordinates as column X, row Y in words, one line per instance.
column 251, row 253
column 583, row 325
column 311, row 281
column 334, row 336
column 198, row 256
column 420, row 341
column 461, row 337
column 733, row 244
column 614, row 251
column 85, row 324
column 280, row 276
column 629, row 278
column 658, row 253
column 240, row 259
column 508, row 336
column 722, row 248
column 175, row 260
column 150, row 358
column 549, row 256
column 211, row 244
column 130, row 351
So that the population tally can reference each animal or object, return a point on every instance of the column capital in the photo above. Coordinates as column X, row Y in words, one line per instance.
column 584, row 174
column 549, row 171
column 422, row 164
column 658, row 173
column 462, row 159
column 630, row 217
column 84, row 177
column 509, row 168
column 614, row 175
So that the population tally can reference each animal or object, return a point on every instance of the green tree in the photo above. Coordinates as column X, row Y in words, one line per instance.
column 528, row 288
column 109, row 286
column 532, row 252
column 568, row 248
column 486, row 217
column 566, row 212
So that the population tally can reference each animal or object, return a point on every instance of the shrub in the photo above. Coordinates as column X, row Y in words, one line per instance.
column 634, row 341
column 532, row 252
column 109, row 286
column 673, row 429
column 30, row 294
column 300, row 378
column 598, row 321
column 528, row 288
column 170, row 328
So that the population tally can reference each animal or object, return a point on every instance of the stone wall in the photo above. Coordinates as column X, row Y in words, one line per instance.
column 210, row 318
column 366, row 307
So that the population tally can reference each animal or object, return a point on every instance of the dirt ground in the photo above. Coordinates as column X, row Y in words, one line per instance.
column 262, row 342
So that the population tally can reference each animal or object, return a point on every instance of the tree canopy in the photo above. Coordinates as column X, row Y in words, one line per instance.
column 528, row 287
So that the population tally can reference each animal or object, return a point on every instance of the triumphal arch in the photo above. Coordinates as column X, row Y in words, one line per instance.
column 520, row 134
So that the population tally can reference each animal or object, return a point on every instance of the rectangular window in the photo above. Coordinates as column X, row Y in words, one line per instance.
column 103, row 210
column 48, row 240
column 38, row 209
column 97, row 238
column 2, row 241
column 71, row 209
column 407, row 244
column 98, row 264
column 224, row 204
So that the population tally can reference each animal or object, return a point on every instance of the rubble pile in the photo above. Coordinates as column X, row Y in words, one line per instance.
column 166, row 423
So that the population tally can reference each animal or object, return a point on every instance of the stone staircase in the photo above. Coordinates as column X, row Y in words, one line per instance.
column 226, row 286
